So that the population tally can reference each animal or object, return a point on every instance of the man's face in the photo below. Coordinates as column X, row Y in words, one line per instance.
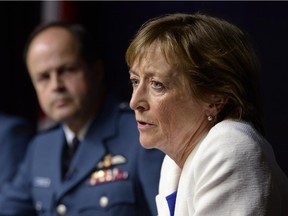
column 59, row 75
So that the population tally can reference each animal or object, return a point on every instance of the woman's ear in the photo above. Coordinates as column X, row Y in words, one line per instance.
column 217, row 102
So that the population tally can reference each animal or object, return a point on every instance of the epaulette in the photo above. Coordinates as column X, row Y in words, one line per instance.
column 124, row 107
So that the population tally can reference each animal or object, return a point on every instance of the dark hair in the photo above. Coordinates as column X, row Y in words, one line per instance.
column 90, row 49
column 215, row 55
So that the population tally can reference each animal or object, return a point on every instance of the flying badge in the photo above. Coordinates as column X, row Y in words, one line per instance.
column 110, row 160
column 106, row 172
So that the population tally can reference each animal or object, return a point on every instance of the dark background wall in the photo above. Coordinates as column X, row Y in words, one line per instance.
column 16, row 93
column 117, row 22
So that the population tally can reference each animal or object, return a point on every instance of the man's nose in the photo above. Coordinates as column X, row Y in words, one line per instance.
column 56, row 82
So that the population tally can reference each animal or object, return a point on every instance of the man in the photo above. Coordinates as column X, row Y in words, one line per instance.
column 110, row 173
column 15, row 133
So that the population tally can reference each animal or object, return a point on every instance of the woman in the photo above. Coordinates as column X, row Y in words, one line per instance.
column 195, row 97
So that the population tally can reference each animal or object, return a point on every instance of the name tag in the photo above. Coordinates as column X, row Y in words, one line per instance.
column 42, row 182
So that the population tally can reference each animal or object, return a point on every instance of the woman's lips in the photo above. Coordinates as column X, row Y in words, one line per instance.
column 144, row 125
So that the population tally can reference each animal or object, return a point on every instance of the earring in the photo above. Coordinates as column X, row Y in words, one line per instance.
column 210, row 118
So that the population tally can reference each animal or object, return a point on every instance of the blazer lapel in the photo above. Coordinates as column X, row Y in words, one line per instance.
column 170, row 175
column 88, row 155
column 92, row 149
column 56, row 142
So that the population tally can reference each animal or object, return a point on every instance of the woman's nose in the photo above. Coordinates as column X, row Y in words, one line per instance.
column 138, row 101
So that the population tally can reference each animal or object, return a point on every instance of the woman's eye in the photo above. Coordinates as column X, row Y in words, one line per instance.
column 134, row 82
column 157, row 85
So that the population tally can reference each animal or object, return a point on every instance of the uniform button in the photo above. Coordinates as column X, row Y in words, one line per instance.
column 61, row 209
column 103, row 201
column 38, row 206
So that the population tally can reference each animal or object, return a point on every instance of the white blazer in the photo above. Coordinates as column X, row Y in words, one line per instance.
column 231, row 172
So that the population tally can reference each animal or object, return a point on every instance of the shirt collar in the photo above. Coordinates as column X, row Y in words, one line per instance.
column 80, row 135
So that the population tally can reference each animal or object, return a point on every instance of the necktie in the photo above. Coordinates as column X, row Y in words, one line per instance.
column 74, row 145
column 68, row 153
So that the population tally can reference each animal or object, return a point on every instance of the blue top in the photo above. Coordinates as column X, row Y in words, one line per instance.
column 171, row 200
column 15, row 134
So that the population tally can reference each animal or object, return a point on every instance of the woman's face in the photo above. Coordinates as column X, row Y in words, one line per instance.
column 168, row 116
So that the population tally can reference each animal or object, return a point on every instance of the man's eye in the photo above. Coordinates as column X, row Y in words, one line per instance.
column 42, row 77
column 68, row 69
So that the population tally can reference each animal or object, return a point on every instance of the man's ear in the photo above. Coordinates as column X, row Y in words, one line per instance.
column 217, row 102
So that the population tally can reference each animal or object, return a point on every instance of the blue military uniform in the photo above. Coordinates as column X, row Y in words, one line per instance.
column 112, row 174
column 15, row 134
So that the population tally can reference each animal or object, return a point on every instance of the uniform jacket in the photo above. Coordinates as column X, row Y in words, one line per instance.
column 231, row 172
column 126, row 188
column 15, row 134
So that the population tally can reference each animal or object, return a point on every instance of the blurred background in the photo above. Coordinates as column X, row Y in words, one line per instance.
column 115, row 23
